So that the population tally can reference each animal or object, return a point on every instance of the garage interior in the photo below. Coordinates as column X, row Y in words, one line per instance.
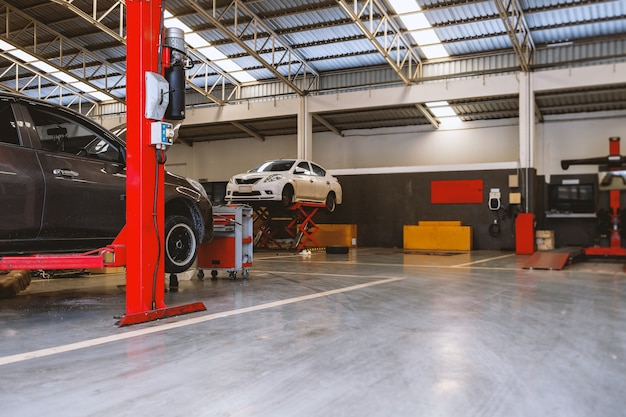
column 402, row 101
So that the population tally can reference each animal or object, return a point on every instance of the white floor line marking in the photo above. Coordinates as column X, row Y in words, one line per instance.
column 20, row 357
column 483, row 260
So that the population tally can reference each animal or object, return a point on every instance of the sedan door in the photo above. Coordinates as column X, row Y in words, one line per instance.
column 84, row 176
column 21, row 182
column 321, row 183
column 303, row 181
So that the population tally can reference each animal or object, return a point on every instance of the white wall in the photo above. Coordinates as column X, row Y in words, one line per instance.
column 576, row 139
column 478, row 143
column 381, row 148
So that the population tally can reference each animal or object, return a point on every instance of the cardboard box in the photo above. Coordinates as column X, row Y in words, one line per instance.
column 545, row 239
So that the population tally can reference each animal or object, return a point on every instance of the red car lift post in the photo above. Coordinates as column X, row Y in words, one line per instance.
column 145, row 271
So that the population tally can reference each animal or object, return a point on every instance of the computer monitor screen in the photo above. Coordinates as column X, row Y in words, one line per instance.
column 572, row 198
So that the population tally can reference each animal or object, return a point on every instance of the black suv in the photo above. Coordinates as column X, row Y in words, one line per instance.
column 63, row 186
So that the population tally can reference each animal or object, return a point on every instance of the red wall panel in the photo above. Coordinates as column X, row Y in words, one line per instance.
column 456, row 192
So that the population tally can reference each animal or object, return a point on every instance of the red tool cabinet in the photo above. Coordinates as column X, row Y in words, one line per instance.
column 232, row 244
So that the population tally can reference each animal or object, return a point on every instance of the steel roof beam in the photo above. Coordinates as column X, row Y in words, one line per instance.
column 431, row 119
column 513, row 18
column 68, row 53
column 249, row 131
column 207, row 90
column 264, row 38
column 21, row 84
column 397, row 51
column 326, row 124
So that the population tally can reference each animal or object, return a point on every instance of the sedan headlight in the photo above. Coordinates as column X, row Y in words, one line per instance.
column 273, row 177
column 198, row 187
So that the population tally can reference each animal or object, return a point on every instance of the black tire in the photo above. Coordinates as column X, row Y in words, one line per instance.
column 337, row 249
column 181, row 244
column 331, row 202
column 287, row 196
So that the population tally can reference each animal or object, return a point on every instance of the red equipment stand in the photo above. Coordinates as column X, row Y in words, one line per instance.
column 615, row 248
column 302, row 227
column 525, row 234
column 615, row 163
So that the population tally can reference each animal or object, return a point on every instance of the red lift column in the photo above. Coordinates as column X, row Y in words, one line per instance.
column 145, row 271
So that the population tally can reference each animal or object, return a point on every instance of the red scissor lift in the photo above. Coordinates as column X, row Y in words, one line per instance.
column 301, row 226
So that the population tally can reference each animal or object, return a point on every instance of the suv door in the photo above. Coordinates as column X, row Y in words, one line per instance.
column 21, row 181
column 84, row 174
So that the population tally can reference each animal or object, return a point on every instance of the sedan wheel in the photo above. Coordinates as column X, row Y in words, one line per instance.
column 331, row 202
column 181, row 245
column 287, row 196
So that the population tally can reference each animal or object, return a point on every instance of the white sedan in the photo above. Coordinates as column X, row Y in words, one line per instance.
column 287, row 181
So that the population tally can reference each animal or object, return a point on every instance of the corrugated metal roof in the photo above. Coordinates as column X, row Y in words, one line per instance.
column 323, row 38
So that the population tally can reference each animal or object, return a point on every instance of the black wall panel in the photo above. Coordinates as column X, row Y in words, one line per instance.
column 380, row 205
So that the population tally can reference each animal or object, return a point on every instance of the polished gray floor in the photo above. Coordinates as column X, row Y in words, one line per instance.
column 377, row 332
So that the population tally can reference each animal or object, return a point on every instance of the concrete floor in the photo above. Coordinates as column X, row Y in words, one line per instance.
column 378, row 332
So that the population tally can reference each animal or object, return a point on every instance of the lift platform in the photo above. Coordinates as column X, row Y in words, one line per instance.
column 554, row 260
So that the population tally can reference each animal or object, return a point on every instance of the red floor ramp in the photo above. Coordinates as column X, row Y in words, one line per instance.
column 551, row 260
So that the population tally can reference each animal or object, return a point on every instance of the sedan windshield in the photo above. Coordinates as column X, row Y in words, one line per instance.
column 274, row 166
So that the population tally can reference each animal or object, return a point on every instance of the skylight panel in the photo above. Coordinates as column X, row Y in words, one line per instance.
column 420, row 29
column 442, row 111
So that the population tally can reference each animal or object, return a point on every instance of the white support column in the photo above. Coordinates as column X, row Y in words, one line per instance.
column 526, row 133
column 305, row 130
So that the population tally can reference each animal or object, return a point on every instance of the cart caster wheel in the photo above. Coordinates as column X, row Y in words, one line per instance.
column 245, row 274
column 200, row 274
column 232, row 275
column 213, row 274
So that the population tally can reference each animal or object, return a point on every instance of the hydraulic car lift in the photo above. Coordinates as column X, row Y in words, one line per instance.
column 139, row 245
column 301, row 227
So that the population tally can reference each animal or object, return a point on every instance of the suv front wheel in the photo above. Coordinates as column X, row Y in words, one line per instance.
column 181, row 244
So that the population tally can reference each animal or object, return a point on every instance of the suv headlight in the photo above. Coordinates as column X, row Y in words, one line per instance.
column 273, row 177
column 198, row 187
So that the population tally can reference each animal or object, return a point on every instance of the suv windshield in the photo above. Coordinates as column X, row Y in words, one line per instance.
column 274, row 166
